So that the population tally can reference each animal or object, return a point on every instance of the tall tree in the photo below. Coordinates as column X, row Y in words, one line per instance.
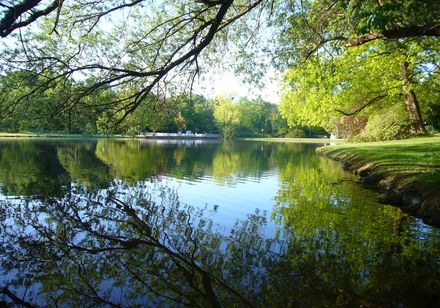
column 327, row 28
column 360, row 81
column 227, row 116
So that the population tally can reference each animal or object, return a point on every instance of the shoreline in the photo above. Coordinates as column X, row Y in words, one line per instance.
column 80, row 136
column 161, row 136
column 295, row 140
column 414, row 190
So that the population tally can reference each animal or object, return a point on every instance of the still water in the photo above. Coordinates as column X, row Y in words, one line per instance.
column 123, row 223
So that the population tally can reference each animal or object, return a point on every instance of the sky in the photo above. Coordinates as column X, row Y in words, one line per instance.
column 229, row 85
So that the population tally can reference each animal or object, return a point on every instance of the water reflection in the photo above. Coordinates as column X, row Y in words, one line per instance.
column 367, row 254
column 129, row 245
column 108, row 230
column 45, row 168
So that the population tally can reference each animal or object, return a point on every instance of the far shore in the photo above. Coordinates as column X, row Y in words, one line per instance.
column 4, row 135
column 30, row 135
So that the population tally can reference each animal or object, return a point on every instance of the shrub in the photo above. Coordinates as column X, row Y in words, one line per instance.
column 386, row 124
column 295, row 133
column 350, row 126
column 228, row 132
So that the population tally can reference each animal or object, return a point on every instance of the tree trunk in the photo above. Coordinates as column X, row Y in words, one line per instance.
column 70, row 122
column 411, row 103
column 415, row 117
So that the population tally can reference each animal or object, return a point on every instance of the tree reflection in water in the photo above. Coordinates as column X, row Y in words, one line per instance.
column 126, row 246
column 105, row 232
column 130, row 245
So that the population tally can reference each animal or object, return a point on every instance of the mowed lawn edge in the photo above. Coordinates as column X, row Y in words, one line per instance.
column 406, row 172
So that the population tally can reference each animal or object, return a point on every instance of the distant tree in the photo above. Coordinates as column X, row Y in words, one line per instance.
column 256, row 116
column 227, row 116
column 196, row 112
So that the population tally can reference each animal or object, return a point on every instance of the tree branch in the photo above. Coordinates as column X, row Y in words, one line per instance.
column 369, row 103
column 432, row 29
column 9, row 22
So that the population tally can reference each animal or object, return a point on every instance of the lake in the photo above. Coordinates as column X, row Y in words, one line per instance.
column 177, row 223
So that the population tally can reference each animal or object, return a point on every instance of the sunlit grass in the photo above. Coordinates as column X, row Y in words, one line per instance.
column 415, row 159
column 298, row 140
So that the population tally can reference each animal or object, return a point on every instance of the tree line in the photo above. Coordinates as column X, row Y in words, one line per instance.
column 364, row 69
column 183, row 112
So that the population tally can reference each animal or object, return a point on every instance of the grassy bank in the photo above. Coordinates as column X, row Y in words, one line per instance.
column 297, row 140
column 407, row 172
column 410, row 159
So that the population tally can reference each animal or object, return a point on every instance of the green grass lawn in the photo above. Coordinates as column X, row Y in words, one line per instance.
column 297, row 140
column 415, row 159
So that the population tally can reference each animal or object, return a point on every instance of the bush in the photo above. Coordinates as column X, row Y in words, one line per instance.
column 228, row 132
column 386, row 124
column 295, row 133
column 351, row 126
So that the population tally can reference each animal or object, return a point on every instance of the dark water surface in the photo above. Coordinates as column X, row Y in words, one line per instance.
column 105, row 222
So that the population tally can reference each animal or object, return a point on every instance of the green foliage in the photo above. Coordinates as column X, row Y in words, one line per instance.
column 295, row 133
column 325, row 26
column 227, row 116
column 247, row 118
column 386, row 124
column 339, row 79
column 351, row 126
column 364, row 82
column 104, row 123
column 279, row 124
column 51, row 112
column 257, row 116
column 317, row 91
column 335, row 80
column 195, row 113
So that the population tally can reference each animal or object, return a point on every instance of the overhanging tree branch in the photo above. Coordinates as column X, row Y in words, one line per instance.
column 11, row 19
column 214, row 28
column 369, row 103
column 404, row 32
column 145, row 58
